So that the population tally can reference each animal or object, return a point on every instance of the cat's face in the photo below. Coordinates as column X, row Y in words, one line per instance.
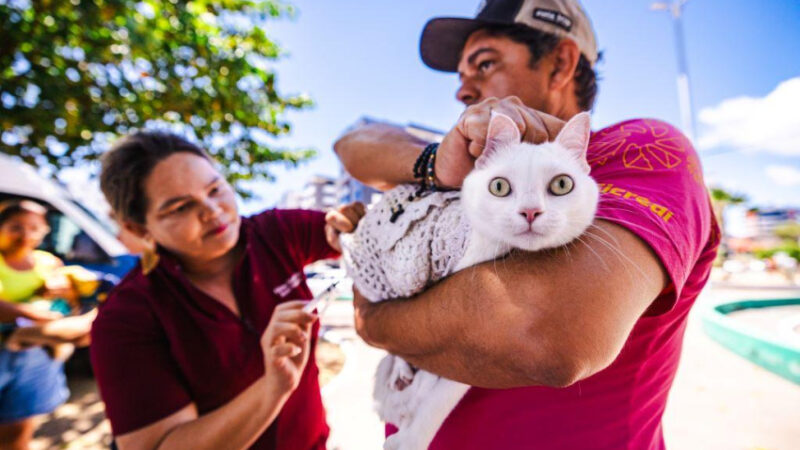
column 532, row 196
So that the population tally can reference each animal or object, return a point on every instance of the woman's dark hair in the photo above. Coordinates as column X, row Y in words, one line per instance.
column 128, row 164
column 539, row 44
column 11, row 208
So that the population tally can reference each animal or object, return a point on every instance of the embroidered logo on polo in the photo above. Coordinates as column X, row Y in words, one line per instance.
column 554, row 17
column 288, row 286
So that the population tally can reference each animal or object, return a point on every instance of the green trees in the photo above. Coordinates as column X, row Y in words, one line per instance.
column 75, row 74
column 721, row 199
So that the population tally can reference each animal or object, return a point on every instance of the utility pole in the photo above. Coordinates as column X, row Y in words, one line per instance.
column 684, row 91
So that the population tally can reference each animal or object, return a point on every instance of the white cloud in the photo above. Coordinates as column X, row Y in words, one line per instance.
column 769, row 124
column 784, row 175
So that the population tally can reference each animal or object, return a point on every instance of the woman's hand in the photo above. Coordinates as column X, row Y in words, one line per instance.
column 286, row 345
column 344, row 219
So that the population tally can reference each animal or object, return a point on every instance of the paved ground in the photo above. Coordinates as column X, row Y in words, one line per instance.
column 719, row 400
column 348, row 398
column 722, row 401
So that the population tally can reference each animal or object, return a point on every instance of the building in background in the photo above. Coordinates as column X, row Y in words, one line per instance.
column 756, row 229
column 322, row 193
column 318, row 193
column 349, row 190
column 763, row 222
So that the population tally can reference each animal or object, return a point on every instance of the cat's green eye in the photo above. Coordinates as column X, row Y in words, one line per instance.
column 561, row 185
column 499, row 187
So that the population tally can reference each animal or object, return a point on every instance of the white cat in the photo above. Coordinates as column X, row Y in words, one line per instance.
column 519, row 195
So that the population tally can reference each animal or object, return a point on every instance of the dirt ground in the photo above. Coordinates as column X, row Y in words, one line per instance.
column 81, row 423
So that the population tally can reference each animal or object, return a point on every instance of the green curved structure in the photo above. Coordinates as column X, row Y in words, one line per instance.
column 769, row 352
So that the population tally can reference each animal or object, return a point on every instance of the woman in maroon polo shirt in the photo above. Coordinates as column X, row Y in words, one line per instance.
column 202, row 346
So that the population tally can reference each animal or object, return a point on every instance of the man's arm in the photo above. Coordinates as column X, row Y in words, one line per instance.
column 545, row 318
column 383, row 156
column 379, row 155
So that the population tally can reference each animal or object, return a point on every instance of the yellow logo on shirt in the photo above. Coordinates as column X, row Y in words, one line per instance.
column 642, row 144
column 660, row 210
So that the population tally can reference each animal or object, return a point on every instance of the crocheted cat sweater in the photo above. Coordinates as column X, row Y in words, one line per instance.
column 405, row 243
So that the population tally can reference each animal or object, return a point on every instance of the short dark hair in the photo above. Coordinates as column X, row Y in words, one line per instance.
column 540, row 44
column 126, row 166
column 11, row 208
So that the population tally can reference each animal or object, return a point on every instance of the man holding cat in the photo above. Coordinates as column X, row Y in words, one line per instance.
column 573, row 348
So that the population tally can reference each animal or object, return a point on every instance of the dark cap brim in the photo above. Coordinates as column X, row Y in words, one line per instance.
column 443, row 38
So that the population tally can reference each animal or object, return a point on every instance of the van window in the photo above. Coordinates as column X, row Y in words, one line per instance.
column 66, row 240
column 71, row 243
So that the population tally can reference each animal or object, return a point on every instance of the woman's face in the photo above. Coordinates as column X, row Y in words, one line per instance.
column 23, row 231
column 191, row 209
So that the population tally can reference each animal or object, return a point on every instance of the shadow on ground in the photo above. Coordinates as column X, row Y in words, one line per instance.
column 78, row 424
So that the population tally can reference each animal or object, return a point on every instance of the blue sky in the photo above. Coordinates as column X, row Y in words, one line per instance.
column 357, row 58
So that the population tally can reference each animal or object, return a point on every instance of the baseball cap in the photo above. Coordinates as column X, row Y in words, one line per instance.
column 443, row 38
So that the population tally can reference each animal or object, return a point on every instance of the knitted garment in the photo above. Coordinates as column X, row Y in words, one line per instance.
column 388, row 260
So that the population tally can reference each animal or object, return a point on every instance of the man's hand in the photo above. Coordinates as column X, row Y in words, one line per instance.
column 344, row 219
column 465, row 142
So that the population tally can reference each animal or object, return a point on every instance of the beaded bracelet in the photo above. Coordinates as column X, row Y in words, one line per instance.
column 430, row 177
column 424, row 167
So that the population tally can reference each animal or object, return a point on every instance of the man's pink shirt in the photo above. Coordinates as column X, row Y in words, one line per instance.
column 651, row 183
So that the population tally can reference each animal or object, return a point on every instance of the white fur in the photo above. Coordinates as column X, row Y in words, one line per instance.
column 497, row 226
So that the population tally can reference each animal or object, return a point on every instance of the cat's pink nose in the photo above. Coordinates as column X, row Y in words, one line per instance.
column 530, row 214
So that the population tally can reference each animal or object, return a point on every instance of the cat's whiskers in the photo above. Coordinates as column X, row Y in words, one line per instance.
column 617, row 252
column 566, row 249
column 601, row 229
column 613, row 248
column 597, row 255
column 494, row 261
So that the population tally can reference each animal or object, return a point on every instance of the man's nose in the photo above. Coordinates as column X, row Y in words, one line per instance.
column 468, row 94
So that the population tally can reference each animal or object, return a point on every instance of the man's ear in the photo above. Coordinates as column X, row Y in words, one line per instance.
column 565, row 57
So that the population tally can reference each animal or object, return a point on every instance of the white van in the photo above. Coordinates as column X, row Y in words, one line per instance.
column 78, row 236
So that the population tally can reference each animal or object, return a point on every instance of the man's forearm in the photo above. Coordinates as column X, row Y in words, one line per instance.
column 457, row 330
column 379, row 155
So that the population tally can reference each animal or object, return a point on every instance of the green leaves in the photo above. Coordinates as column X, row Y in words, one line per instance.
column 723, row 196
column 75, row 74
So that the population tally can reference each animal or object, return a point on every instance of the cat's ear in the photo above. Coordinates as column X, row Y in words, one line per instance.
column 502, row 132
column 575, row 138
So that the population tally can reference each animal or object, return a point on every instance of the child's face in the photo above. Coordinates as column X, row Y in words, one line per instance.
column 23, row 232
